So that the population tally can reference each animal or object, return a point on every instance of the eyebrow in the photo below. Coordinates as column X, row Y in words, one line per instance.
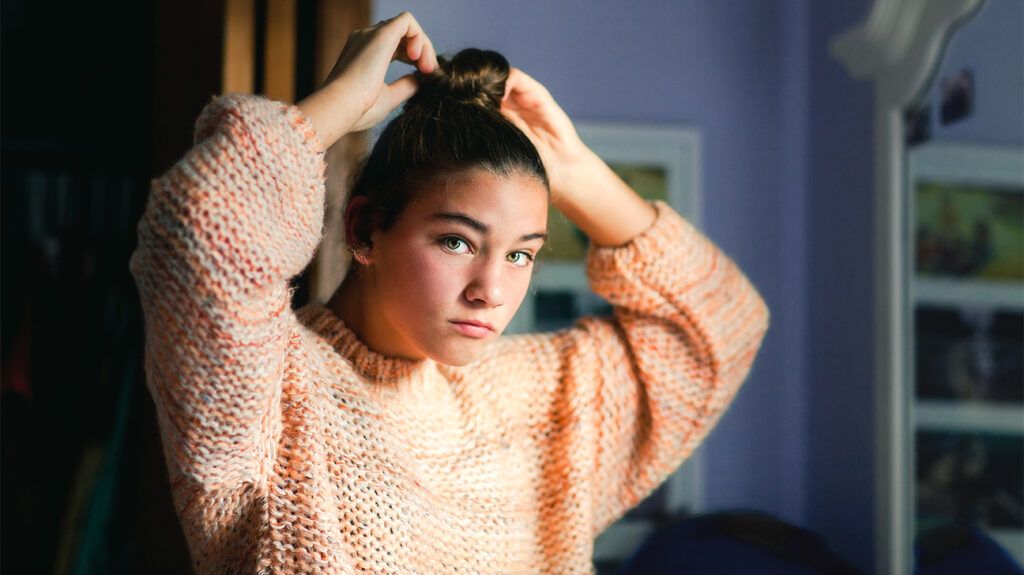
column 460, row 218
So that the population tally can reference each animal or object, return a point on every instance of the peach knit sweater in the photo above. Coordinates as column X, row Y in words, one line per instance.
column 293, row 448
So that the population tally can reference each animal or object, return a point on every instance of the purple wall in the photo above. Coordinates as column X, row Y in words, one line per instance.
column 991, row 44
column 755, row 79
column 839, row 293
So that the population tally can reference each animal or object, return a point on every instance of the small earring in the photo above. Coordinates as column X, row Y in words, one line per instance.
column 359, row 255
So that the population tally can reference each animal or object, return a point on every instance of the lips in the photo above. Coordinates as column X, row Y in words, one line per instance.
column 472, row 328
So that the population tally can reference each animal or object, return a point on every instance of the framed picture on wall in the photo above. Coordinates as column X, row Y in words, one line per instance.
column 965, row 230
column 660, row 164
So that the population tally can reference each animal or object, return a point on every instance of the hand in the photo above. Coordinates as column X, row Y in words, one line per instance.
column 354, row 96
column 529, row 106
column 583, row 187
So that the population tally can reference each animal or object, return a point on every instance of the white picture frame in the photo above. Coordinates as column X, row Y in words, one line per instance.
column 675, row 150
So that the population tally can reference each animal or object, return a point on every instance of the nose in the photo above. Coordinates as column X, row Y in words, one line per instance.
column 485, row 286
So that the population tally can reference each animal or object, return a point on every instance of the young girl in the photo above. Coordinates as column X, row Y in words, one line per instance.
column 392, row 430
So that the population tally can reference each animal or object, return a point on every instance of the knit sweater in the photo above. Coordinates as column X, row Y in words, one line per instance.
column 294, row 448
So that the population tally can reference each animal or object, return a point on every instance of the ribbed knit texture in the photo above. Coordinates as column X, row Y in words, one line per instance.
column 293, row 448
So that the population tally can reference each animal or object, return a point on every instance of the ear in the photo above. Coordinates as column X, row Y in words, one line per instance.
column 355, row 218
column 354, row 214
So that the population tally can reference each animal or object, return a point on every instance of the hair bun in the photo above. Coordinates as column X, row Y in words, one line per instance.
column 472, row 76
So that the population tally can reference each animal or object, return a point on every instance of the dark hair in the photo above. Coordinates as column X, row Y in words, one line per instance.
column 452, row 123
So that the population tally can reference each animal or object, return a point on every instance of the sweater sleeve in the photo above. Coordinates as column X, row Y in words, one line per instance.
column 223, row 232
column 633, row 395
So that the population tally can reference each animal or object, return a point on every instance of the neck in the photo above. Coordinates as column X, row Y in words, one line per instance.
column 347, row 304
column 354, row 303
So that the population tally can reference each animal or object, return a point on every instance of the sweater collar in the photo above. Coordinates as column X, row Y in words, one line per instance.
column 367, row 362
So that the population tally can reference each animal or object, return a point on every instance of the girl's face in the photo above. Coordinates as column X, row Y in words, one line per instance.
column 447, row 278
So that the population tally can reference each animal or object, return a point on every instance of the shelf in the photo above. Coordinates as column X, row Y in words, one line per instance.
column 936, row 415
column 955, row 292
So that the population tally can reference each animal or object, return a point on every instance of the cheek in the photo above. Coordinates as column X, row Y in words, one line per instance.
column 424, row 278
column 518, row 287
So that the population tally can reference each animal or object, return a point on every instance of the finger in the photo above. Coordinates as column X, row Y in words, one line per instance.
column 514, row 90
column 526, row 93
column 402, row 53
column 513, row 78
column 421, row 53
column 415, row 38
column 429, row 54
column 400, row 90
column 522, row 83
column 411, row 48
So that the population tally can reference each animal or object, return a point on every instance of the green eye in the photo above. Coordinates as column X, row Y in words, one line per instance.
column 521, row 259
column 455, row 244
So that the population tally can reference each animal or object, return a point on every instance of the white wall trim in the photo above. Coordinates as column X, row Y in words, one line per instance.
column 897, row 47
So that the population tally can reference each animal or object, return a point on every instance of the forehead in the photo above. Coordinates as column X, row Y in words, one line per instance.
column 516, row 203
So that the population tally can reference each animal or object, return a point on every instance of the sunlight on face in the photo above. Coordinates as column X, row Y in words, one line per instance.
column 449, row 276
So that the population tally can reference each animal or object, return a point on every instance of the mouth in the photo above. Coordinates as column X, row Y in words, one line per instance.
column 472, row 328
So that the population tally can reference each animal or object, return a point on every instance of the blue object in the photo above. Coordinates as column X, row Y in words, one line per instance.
column 735, row 542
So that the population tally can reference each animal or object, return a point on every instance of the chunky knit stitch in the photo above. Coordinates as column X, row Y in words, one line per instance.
column 293, row 448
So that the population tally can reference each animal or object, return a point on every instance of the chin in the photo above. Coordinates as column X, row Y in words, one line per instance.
column 460, row 355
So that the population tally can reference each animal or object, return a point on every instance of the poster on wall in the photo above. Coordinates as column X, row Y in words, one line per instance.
column 969, row 231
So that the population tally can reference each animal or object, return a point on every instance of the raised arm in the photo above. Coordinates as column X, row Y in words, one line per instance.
column 223, row 232
column 631, row 397
column 583, row 187
column 686, row 330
